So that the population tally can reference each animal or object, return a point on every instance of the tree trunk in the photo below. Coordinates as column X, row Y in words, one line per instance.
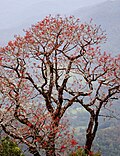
column 37, row 154
column 50, row 150
column 89, row 135
column 89, row 142
column 34, row 152
column 91, row 132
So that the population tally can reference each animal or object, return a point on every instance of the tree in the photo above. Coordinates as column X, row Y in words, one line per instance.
column 102, row 73
column 56, row 64
column 9, row 148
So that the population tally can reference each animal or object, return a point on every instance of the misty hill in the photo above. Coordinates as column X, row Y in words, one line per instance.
column 106, row 14
column 18, row 15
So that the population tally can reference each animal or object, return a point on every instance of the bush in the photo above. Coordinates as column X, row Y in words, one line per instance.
column 9, row 148
column 81, row 152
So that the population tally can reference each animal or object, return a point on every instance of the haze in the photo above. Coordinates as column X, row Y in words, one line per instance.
column 14, row 13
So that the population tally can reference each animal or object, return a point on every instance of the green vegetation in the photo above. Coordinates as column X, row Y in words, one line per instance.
column 81, row 152
column 9, row 148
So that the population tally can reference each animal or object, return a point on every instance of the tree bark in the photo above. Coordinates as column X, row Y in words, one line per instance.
column 89, row 136
column 37, row 154
column 89, row 142
column 91, row 132
column 34, row 152
column 50, row 150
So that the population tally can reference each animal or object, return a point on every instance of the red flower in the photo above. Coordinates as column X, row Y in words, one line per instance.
column 63, row 148
column 29, row 124
column 73, row 142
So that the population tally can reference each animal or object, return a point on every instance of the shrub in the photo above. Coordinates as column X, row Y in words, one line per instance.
column 9, row 148
column 81, row 152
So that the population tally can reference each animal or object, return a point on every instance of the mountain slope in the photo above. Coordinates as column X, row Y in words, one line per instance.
column 18, row 15
column 107, row 15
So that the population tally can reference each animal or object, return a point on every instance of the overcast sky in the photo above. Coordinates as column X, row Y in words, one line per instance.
column 14, row 13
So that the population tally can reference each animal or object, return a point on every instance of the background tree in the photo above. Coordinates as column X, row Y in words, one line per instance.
column 56, row 64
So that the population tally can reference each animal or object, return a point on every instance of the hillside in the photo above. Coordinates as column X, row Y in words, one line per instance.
column 108, row 136
column 18, row 15
column 106, row 14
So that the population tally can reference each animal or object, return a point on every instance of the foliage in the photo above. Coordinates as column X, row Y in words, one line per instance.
column 9, row 148
column 81, row 152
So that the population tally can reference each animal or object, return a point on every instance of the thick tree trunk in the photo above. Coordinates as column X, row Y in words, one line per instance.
column 91, row 132
column 50, row 150
column 34, row 152
column 89, row 142
column 37, row 154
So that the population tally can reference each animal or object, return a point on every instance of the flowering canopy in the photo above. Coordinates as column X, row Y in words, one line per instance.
column 57, row 63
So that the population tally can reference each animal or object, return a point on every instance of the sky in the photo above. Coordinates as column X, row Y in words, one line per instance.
column 14, row 13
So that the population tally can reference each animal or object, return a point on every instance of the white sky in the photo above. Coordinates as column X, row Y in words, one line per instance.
column 14, row 13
